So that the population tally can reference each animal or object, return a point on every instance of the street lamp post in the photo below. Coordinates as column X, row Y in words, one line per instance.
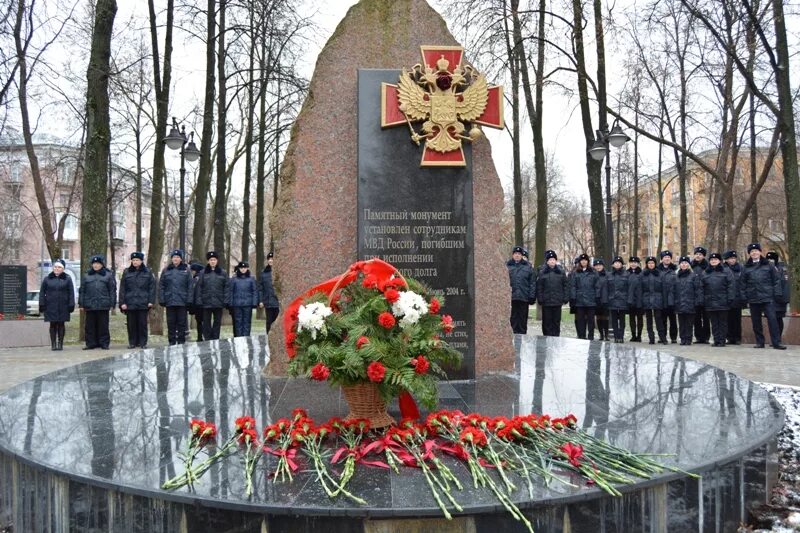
column 599, row 150
column 177, row 140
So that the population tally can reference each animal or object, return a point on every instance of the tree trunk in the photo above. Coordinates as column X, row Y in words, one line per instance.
column 516, row 54
column 791, row 178
column 593, row 168
column 162, row 84
column 660, row 197
column 98, row 136
column 542, row 205
column 261, row 178
column 199, row 232
column 635, row 241
column 220, row 200
column 276, row 169
column 754, row 209
column 248, row 160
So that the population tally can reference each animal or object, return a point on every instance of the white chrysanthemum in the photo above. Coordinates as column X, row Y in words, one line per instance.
column 311, row 318
column 409, row 308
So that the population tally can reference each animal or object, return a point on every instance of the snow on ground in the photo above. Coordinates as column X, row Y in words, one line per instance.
column 783, row 513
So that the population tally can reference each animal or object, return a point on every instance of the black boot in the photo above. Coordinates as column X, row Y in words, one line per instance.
column 62, row 329
column 53, row 345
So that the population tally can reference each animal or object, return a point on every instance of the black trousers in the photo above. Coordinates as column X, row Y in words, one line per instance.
column 584, row 320
column 272, row 316
column 198, row 318
column 702, row 328
column 656, row 315
column 551, row 320
column 519, row 316
column 719, row 325
column 242, row 319
column 212, row 320
column 685, row 326
column 618, row 324
column 768, row 310
column 97, row 334
column 735, row 325
column 780, row 313
column 137, row 327
column 636, row 322
column 671, row 321
column 601, row 318
column 177, row 324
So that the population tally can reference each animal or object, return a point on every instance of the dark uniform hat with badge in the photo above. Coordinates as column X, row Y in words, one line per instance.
column 684, row 259
column 753, row 246
column 137, row 255
column 617, row 259
column 583, row 257
column 665, row 253
column 650, row 258
column 715, row 255
column 211, row 254
column 98, row 259
column 773, row 256
column 730, row 253
column 700, row 250
column 517, row 250
column 63, row 263
column 548, row 254
column 270, row 255
column 598, row 261
column 177, row 252
column 243, row 264
column 525, row 253
column 197, row 267
column 634, row 259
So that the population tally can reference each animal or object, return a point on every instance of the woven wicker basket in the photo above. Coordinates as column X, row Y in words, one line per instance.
column 365, row 401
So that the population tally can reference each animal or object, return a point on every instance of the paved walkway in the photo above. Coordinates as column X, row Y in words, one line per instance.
column 767, row 365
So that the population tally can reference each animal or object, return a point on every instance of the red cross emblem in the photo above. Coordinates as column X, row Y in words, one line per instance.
column 443, row 95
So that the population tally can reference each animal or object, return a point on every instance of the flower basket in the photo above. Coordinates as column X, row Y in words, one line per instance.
column 365, row 401
column 376, row 334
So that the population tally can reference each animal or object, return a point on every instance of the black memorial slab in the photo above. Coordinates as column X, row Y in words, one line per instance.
column 418, row 219
column 13, row 287
column 87, row 448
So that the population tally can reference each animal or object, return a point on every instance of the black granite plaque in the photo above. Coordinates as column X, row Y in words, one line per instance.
column 13, row 286
column 419, row 219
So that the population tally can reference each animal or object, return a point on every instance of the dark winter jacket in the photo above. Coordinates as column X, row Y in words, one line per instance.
column 653, row 292
column 98, row 290
column 585, row 288
column 635, row 279
column 687, row 292
column 602, row 280
column 56, row 297
column 737, row 272
column 621, row 292
column 760, row 282
column 194, row 292
column 552, row 287
column 719, row 288
column 699, row 267
column 783, row 273
column 174, row 286
column 669, row 277
column 212, row 288
column 242, row 290
column 267, row 294
column 523, row 281
column 137, row 288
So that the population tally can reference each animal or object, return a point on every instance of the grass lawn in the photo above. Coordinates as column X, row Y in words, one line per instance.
column 119, row 331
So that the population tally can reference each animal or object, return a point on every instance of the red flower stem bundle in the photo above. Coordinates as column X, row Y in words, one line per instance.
column 202, row 437
column 312, row 447
column 284, row 433
column 248, row 441
column 351, row 432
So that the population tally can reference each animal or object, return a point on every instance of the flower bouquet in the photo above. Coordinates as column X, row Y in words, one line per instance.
column 374, row 333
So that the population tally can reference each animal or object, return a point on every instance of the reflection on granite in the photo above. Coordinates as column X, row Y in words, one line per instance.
column 121, row 423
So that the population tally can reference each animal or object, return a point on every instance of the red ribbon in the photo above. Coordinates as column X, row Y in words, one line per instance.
column 289, row 454
column 358, row 454
column 408, row 407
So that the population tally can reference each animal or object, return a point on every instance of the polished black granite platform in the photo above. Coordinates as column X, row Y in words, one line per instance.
column 87, row 448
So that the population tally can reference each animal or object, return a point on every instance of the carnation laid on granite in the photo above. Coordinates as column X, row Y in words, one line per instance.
column 371, row 327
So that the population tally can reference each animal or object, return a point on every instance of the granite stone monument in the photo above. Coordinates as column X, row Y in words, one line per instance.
column 344, row 178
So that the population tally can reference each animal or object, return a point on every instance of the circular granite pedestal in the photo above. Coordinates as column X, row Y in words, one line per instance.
column 87, row 448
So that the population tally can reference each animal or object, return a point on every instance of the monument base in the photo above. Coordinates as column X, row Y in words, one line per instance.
column 791, row 330
column 23, row 333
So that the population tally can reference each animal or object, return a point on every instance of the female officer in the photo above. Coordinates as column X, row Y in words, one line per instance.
column 719, row 292
column 56, row 302
column 137, row 294
column 687, row 296
column 654, row 298
column 97, row 296
column 621, row 297
column 242, row 298
column 552, row 292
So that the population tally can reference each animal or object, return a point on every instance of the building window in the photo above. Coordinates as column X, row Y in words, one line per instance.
column 66, row 253
column 15, row 176
column 70, row 226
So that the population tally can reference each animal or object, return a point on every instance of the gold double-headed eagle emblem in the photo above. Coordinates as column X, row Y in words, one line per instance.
column 445, row 98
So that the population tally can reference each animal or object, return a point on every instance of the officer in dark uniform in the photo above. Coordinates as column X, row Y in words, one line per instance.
column 636, row 313
column 211, row 294
column 268, row 299
column 782, row 300
column 585, row 291
column 197, row 312
column 761, row 284
column 687, row 296
column 654, row 297
column 523, row 289
column 174, row 293
column 137, row 295
column 552, row 292
column 669, row 268
column 621, row 296
column 735, row 312
column 601, row 313
column 719, row 291
column 702, row 328
column 97, row 296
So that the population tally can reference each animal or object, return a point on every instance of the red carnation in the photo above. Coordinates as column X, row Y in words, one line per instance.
column 391, row 295
column 370, row 282
column 573, row 453
column 386, row 319
column 244, row 423
column 434, row 306
column 376, row 371
column 362, row 340
column 447, row 323
column 320, row 372
column 420, row 364
column 290, row 348
column 473, row 435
